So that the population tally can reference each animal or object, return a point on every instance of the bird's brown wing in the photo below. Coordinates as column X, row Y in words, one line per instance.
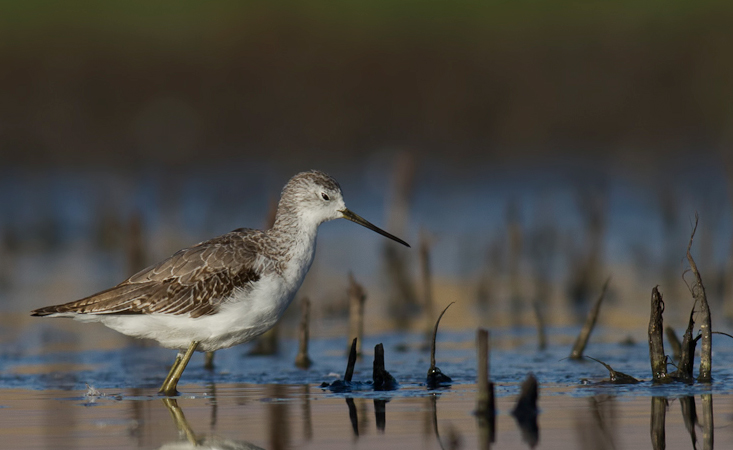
column 193, row 281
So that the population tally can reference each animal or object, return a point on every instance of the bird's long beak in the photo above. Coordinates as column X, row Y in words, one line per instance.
column 347, row 214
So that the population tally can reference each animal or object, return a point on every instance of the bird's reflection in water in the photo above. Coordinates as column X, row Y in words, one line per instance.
column 189, row 440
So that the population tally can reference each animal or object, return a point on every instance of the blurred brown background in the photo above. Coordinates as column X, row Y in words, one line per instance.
column 556, row 142
column 130, row 83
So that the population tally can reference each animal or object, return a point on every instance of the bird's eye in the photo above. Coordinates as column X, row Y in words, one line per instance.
column 325, row 196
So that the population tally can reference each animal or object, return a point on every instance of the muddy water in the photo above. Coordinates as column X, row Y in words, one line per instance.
column 265, row 402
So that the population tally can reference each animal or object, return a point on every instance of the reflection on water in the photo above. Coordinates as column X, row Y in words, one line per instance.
column 658, row 419
column 244, row 416
column 192, row 440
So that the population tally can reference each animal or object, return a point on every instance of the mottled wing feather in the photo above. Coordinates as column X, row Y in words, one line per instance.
column 193, row 281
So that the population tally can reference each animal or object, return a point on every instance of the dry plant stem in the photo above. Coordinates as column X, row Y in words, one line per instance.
column 590, row 322
column 352, row 361
column 303, row 361
column 357, row 297
column 684, row 366
column 656, row 342
column 698, row 293
column 674, row 342
column 659, row 416
column 380, row 376
column 435, row 333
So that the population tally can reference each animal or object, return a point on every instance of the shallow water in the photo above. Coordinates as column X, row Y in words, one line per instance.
column 265, row 402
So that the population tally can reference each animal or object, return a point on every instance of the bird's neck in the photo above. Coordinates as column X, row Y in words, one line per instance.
column 296, row 240
column 293, row 229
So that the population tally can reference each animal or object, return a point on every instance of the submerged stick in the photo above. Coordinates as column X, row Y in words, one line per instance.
column 656, row 342
column 435, row 376
column 357, row 297
column 614, row 376
column 303, row 361
column 698, row 293
column 590, row 322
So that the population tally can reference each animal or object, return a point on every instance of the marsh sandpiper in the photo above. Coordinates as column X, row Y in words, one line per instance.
column 224, row 291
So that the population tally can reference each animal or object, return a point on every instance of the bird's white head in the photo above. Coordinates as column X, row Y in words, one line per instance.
column 314, row 197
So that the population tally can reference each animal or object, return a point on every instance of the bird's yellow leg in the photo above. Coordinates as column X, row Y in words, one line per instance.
column 171, row 381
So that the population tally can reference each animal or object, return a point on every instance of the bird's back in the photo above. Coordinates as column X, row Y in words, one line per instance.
column 194, row 281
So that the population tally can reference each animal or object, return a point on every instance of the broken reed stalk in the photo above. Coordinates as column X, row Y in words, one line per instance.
column 485, row 398
column 303, row 361
column 698, row 293
column 352, row 361
column 382, row 379
column 656, row 341
column 590, row 322
column 687, row 355
column 357, row 297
